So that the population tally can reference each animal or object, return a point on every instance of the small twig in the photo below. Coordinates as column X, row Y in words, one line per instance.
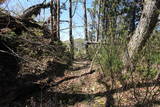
column 94, row 57
column 12, row 52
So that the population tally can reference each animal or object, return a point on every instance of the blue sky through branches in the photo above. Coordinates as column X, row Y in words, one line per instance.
column 18, row 6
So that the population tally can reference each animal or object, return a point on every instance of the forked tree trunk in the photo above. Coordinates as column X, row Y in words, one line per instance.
column 144, row 29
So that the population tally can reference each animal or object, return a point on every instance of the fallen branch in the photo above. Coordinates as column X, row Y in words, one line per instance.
column 34, row 10
column 70, row 78
column 19, row 24
column 16, row 24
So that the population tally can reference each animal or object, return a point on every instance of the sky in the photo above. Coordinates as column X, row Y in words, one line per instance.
column 18, row 6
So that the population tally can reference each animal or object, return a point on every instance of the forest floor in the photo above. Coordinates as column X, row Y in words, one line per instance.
column 82, row 86
column 80, row 81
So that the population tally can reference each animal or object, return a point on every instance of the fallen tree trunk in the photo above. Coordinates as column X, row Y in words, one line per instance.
column 16, row 24
column 34, row 10
column 19, row 24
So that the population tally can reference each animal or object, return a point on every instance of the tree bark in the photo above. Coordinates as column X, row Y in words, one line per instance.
column 53, row 11
column 132, row 15
column 70, row 30
column 93, row 25
column 58, row 19
column 144, row 29
column 85, row 25
column 98, row 20
column 105, row 20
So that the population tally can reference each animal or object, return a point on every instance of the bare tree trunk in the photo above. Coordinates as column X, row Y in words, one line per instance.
column 58, row 19
column 105, row 19
column 70, row 30
column 85, row 24
column 98, row 23
column 93, row 25
column 51, row 11
column 133, row 17
column 144, row 29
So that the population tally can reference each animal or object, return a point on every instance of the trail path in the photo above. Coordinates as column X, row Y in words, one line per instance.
column 80, row 80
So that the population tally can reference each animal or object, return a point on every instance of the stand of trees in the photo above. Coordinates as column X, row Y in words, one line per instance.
column 120, row 36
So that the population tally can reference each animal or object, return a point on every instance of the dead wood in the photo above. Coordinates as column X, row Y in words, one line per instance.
column 18, row 24
column 34, row 10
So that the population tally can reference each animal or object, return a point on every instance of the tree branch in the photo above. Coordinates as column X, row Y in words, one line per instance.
column 34, row 10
